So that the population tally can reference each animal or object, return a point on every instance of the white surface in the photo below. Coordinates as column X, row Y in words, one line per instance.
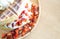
column 49, row 23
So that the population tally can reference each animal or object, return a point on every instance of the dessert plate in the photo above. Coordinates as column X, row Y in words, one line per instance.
column 18, row 18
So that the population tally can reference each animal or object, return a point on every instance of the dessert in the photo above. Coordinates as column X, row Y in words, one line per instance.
column 21, row 17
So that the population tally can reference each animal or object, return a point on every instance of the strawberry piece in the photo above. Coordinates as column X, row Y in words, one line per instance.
column 4, row 35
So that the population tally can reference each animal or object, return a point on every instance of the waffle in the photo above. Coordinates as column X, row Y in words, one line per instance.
column 10, row 12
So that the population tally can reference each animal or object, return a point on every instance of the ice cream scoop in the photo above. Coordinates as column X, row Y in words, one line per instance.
column 5, row 3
